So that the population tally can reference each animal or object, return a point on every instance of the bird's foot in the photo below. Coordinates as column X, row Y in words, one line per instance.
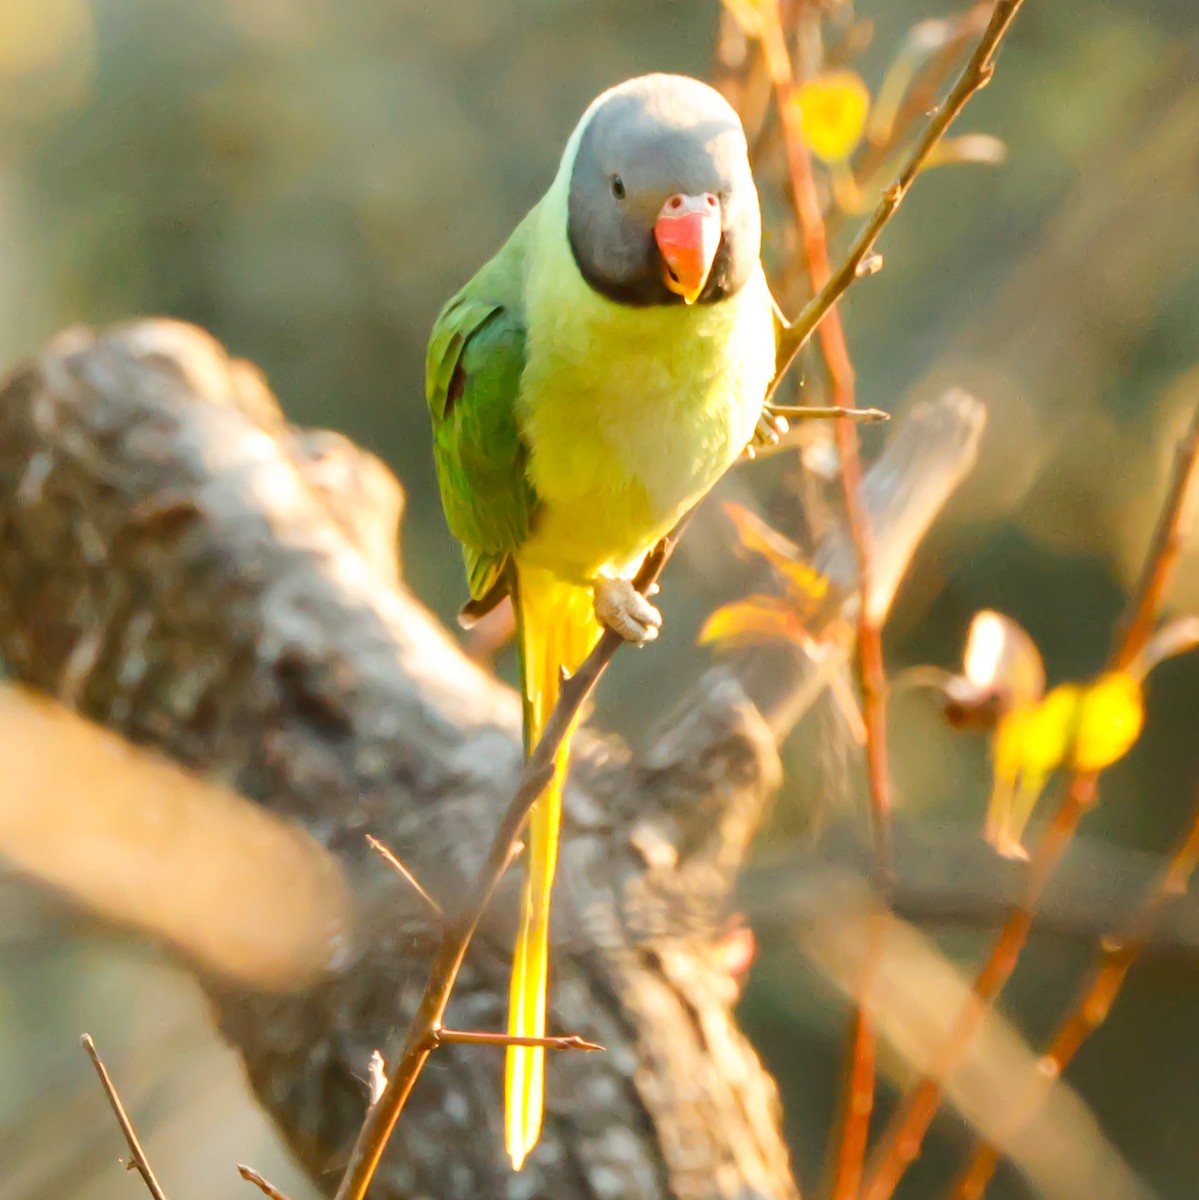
column 767, row 433
column 622, row 608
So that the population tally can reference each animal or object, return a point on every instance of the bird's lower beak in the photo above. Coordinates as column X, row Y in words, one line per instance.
column 688, row 235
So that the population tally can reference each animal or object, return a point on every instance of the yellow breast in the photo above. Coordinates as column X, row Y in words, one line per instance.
column 632, row 414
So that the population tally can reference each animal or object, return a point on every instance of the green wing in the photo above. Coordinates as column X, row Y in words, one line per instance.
column 475, row 359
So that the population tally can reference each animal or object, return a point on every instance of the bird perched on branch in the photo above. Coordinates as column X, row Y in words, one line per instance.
column 586, row 388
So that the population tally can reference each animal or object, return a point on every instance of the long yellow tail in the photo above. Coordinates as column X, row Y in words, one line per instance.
column 556, row 629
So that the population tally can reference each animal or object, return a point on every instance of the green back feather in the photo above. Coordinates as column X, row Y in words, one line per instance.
column 475, row 359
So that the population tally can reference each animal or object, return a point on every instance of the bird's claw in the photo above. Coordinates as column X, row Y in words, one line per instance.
column 623, row 609
column 767, row 433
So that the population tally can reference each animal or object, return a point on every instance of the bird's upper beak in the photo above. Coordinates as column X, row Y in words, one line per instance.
column 688, row 234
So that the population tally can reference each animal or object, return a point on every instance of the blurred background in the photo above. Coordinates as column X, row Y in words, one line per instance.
column 310, row 180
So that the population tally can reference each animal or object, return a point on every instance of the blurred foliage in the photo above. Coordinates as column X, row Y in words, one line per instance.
column 311, row 179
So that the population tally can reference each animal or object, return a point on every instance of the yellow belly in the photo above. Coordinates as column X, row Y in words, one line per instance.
column 631, row 424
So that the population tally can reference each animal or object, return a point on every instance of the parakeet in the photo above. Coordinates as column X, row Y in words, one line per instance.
column 586, row 388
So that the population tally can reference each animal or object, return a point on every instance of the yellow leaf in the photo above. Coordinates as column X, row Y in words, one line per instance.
column 1049, row 729
column 1110, row 716
column 808, row 586
column 1030, row 743
column 1087, row 728
column 752, row 621
column 832, row 113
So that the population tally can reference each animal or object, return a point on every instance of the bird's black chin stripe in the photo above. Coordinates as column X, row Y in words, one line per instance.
column 647, row 289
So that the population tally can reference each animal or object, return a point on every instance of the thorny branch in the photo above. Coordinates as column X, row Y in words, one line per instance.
column 382, row 1116
column 905, row 1132
column 138, row 1161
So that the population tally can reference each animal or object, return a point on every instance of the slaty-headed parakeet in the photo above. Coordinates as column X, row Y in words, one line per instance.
column 587, row 387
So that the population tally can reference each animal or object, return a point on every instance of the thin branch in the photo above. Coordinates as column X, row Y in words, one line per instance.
column 946, row 878
column 538, row 770
column 398, row 867
column 976, row 75
column 905, row 1132
column 1168, row 538
column 138, row 1160
column 570, row 1041
column 852, row 1130
column 867, row 416
column 263, row 1185
column 1118, row 952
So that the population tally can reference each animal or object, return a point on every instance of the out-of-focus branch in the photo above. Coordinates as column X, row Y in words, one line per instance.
column 142, row 842
column 930, row 450
column 853, row 1128
column 835, row 349
column 956, row 33
column 976, row 75
column 905, row 985
column 1173, row 526
column 906, row 1130
column 950, row 878
column 1118, row 952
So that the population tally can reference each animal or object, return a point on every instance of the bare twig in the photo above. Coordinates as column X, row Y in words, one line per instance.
column 263, row 1185
column 867, row 416
column 1118, row 952
column 398, row 867
column 976, row 74
column 138, row 1160
column 570, row 1041
column 852, row 1130
column 905, row 1133
column 420, row 1039
column 1168, row 537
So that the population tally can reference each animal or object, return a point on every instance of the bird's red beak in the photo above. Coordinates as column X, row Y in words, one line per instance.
column 688, row 234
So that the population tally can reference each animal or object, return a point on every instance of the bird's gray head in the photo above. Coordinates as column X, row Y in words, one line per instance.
column 662, row 204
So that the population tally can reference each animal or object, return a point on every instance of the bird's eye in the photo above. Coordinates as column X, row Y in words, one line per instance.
column 618, row 187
